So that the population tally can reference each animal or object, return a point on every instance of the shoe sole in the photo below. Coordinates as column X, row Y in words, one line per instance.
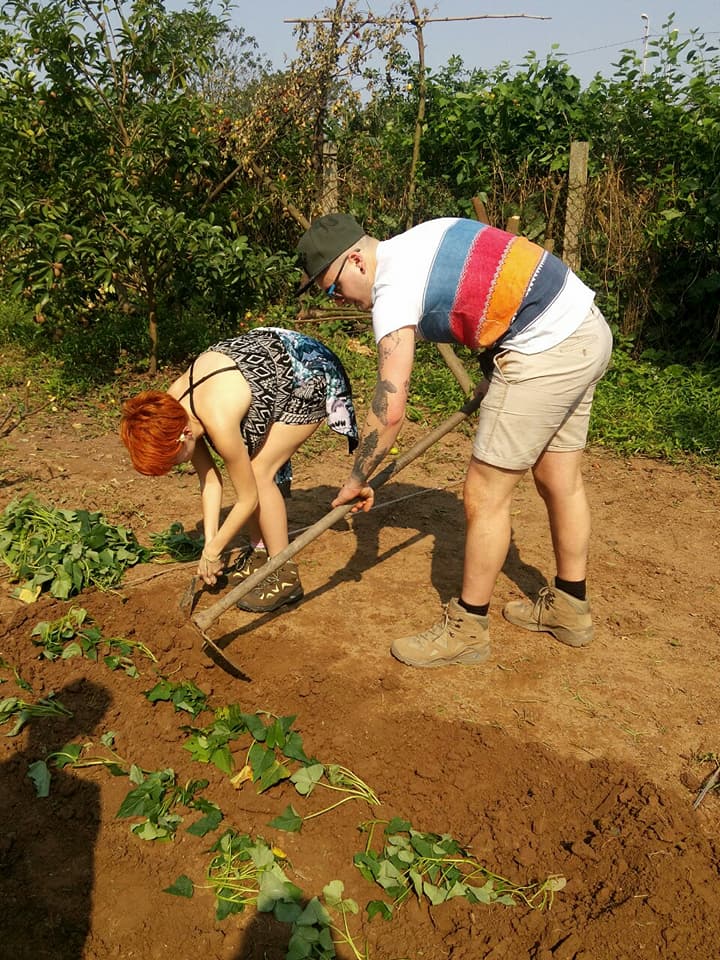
column 293, row 598
column 571, row 638
column 469, row 659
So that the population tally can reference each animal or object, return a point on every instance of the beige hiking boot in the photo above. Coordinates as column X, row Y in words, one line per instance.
column 565, row 617
column 460, row 637
column 250, row 560
column 278, row 588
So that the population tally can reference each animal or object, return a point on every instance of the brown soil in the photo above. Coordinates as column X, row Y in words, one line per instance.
column 546, row 760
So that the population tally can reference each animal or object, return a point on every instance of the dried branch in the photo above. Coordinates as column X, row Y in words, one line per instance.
column 6, row 431
column 411, row 21
column 709, row 784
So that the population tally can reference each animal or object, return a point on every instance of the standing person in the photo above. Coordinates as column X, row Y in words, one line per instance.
column 545, row 346
column 254, row 400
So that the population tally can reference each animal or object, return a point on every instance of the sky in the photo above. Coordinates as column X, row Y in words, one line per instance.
column 590, row 34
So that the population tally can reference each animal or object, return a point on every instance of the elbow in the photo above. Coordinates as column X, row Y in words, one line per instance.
column 395, row 415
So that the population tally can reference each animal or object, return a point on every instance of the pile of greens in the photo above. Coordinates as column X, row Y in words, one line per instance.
column 63, row 551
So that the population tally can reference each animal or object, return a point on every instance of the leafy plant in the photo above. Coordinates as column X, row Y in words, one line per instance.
column 24, row 712
column 73, row 755
column 248, row 872
column 266, row 762
column 211, row 745
column 437, row 868
column 156, row 797
column 184, row 695
column 19, row 679
column 174, row 544
column 330, row 777
column 109, row 158
column 63, row 551
column 66, row 637
column 656, row 407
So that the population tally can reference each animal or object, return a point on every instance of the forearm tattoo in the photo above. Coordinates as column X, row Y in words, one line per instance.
column 367, row 457
column 370, row 454
column 379, row 403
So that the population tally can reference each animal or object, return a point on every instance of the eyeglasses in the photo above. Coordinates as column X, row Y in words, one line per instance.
column 332, row 290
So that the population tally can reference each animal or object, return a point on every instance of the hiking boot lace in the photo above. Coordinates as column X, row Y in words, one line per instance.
column 433, row 633
column 545, row 600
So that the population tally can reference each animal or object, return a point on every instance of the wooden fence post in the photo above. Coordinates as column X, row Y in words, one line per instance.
column 329, row 199
column 575, row 210
column 481, row 213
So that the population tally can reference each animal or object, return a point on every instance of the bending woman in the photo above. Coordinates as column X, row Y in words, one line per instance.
column 254, row 399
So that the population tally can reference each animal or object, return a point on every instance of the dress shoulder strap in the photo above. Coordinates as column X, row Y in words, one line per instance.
column 189, row 392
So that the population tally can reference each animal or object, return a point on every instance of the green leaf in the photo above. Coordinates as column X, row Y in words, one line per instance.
column 293, row 748
column 69, row 754
column 259, row 759
column 397, row 825
column 434, row 894
column 40, row 776
column 254, row 725
column 272, row 775
column 332, row 893
column 273, row 885
column 289, row 820
column 287, row 911
column 226, row 908
column 182, row 887
column 306, row 778
column 379, row 908
column 211, row 821
column 161, row 691
column 313, row 915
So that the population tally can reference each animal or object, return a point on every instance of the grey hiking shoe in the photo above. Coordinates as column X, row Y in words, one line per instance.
column 250, row 560
column 460, row 637
column 278, row 588
column 565, row 617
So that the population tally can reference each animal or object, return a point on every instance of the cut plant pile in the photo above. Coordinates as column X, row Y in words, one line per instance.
column 65, row 551
column 335, row 802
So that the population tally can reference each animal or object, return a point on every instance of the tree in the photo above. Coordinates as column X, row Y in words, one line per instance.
column 108, row 155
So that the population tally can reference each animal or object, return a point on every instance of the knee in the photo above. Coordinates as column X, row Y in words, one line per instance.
column 487, row 489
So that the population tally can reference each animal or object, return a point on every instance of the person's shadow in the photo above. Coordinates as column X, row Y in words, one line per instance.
column 433, row 514
column 47, row 844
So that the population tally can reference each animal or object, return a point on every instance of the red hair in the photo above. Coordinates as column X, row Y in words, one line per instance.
column 150, row 428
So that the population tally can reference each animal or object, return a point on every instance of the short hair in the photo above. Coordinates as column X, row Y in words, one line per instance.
column 150, row 429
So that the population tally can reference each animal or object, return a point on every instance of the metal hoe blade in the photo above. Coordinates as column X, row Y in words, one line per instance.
column 187, row 601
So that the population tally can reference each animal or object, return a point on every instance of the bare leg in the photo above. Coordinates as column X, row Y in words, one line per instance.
column 270, row 517
column 487, row 496
column 558, row 479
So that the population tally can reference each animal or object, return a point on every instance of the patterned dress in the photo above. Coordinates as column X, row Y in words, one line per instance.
column 293, row 379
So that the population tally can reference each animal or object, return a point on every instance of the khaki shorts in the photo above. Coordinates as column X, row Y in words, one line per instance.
column 542, row 401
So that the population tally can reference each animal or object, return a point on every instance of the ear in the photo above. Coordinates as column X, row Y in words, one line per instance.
column 357, row 258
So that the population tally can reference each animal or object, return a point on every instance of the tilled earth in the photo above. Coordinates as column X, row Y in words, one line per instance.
column 544, row 761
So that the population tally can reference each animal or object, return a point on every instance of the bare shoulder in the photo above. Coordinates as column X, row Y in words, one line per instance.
column 224, row 392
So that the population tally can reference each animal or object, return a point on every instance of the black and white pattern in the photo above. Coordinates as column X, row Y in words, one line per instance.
column 293, row 379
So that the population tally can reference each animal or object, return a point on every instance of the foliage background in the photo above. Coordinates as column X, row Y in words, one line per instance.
column 155, row 174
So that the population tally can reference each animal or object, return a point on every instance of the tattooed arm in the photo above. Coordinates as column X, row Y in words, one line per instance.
column 396, row 352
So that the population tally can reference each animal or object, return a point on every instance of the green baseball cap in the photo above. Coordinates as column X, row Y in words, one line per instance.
column 323, row 241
